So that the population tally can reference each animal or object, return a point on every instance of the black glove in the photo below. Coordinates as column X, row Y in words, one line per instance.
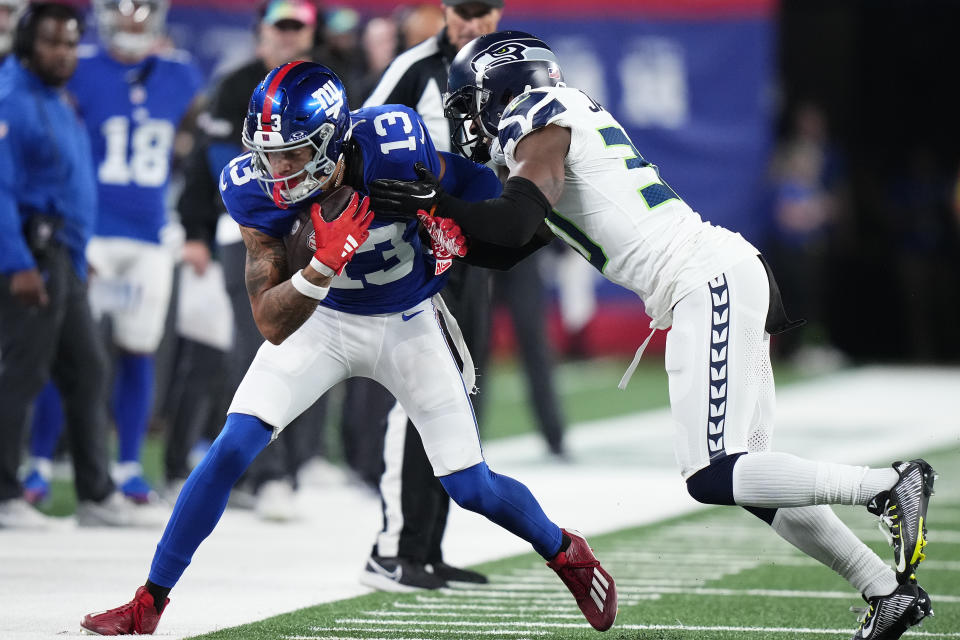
column 404, row 198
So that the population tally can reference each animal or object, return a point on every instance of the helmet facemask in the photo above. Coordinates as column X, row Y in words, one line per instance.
column 469, row 137
column 314, row 176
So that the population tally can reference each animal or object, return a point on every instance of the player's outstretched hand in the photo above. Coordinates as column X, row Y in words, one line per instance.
column 405, row 198
column 446, row 238
column 338, row 241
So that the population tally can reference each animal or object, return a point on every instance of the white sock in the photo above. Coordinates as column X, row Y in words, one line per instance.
column 123, row 471
column 776, row 480
column 819, row 533
column 43, row 466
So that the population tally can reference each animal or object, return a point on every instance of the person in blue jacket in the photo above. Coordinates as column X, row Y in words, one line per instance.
column 47, row 210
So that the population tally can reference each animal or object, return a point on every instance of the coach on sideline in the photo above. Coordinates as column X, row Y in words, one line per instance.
column 47, row 205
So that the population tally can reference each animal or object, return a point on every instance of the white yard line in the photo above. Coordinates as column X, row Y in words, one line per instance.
column 464, row 626
column 623, row 476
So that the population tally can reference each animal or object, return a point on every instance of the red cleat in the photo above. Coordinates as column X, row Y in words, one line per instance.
column 590, row 584
column 138, row 616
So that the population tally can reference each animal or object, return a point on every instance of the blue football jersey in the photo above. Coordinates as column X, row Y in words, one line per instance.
column 132, row 112
column 391, row 271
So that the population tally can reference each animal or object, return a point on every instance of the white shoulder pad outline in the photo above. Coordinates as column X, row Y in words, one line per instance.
column 531, row 110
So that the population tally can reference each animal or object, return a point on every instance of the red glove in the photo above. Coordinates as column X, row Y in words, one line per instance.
column 339, row 240
column 446, row 240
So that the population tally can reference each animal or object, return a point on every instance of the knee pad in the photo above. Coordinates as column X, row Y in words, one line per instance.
column 467, row 487
column 714, row 483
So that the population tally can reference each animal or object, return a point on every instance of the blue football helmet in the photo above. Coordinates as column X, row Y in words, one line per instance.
column 298, row 104
column 485, row 77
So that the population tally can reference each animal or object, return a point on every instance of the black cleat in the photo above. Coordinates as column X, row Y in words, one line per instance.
column 398, row 575
column 888, row 617
column 903, row 514
column 450, row 573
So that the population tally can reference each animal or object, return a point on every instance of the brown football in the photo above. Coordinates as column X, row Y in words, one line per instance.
column 299, row 242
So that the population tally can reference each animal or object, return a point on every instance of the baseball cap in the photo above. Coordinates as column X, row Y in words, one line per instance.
column 496, row 4
column 298, row 10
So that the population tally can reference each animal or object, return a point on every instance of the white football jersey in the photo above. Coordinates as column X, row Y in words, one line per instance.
column 615, row 210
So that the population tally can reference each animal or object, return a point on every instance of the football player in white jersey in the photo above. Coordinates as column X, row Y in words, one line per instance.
column 574, row 169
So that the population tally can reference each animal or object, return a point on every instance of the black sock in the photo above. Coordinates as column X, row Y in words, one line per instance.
column 159, row 595
column 565, row 544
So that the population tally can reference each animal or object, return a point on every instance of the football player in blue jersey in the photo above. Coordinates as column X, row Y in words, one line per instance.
column 132, row 99
column 365, row 305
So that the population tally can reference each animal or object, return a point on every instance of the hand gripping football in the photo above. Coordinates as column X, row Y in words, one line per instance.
column 300, row 243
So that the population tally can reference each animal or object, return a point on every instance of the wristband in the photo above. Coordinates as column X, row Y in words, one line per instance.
column 307, row 288
column 321, row 268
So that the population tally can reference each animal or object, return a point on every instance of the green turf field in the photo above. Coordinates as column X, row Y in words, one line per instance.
column 718, row 574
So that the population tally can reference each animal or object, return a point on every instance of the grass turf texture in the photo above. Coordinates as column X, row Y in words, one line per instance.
column 720, row 574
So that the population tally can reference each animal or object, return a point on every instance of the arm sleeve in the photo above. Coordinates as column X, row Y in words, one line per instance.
column 198, row 202
column 491, row 256
column 14, row 253
column 510, row 220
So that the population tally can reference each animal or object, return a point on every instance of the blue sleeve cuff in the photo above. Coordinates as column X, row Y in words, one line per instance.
column 15, row 256
column 468, row 180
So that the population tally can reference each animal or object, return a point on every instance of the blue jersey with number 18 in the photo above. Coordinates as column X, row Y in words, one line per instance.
column 391, row 271
column 132, row 112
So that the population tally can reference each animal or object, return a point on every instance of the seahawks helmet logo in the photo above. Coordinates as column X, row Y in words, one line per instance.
column 501, row 53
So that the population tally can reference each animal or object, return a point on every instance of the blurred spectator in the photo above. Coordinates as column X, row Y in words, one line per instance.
column 917, row 202
column 47, row 207
column 132, row 101
column 340, row 51
column 575, row 279
column 286, row 31
column 10, row 11
column 379, row 42
column 807, row 176
column 419, row 23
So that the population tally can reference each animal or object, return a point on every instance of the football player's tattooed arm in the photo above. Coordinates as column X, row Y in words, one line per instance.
column 278, row 308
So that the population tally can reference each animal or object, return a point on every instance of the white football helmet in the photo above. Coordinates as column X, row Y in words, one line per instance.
column 8, row 23
column 131, row 27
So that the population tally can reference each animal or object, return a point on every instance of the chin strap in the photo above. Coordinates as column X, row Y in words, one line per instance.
column 277, row 197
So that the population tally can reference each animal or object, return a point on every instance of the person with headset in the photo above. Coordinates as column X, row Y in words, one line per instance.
column 132, row 96
column 47, row 208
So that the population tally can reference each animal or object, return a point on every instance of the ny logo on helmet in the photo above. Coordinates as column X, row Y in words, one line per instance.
column 330, row 98
column 505, row 52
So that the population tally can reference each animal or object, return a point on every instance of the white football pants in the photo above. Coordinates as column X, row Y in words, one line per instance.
column 405, row 352
column 718, row 361
column 131, row 284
